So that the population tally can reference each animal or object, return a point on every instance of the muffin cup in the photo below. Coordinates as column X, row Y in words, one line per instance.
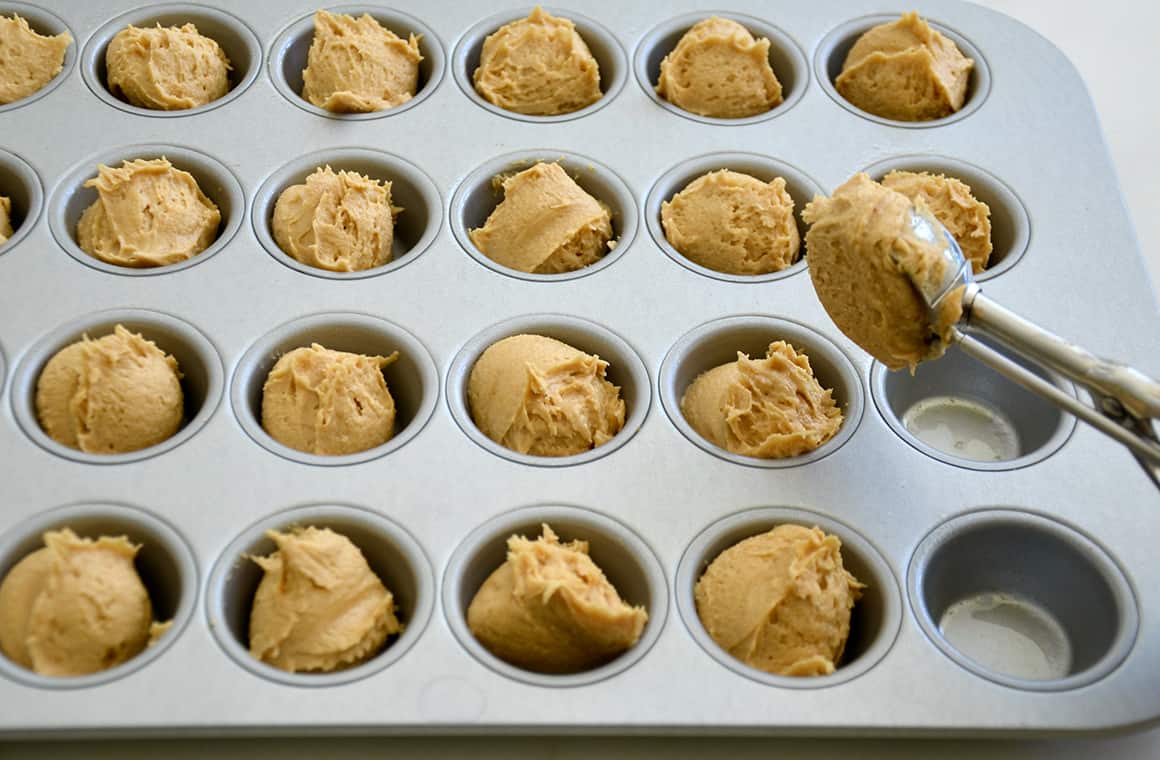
column 392, row 553
column 20, row 184
column 201, row 384
column 48, row 24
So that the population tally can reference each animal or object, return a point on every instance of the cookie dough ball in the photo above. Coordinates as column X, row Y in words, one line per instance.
column 546, row 223
column 905, row 71
column 341, row 222
column 5, row 219
column 319, row 606
column 538, row 66
column 549, row 608
column 538, row 396
column 950, row 200
column 328, row 402
column 111, row 395
column 769, row 408
column 76, row 607
column 30, row 60
column 358, row 65
column 718, row 69
column 734, row 223
column 147, row 214
column 780, row 601
column 166, row 68
column 867, row 265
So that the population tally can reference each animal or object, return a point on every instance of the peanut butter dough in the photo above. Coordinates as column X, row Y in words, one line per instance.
column 342, row 222
column 953, row 205
column 111, row 395
column 550, row 609
column 319, row 606
column 780, row 601
column 166, row 68
column 29, row 60
column 358, row 65
column 734, row 223
column 864, row 262
column 718, row 69
column 147, row 214
column 76, row 607
column 905, row 71
column 538, row 396
column 5, row 219
column 770, row 408
column 546, row 223
column 538, row 66
column 328, row 402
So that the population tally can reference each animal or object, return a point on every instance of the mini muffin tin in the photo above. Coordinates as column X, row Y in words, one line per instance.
column 1067, row 528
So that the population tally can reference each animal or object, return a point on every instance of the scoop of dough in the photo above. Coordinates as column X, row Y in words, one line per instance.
column 546, row 224
column 538, row 396
column 905, row 71
column 76, row 607
column 319, row 606
column 734, row 223
column 539, row 65
column 358, row 65
column 166, row 68
column 780, row 601
column 147, row 214
column 864, row 263
column 951, row 202
column 770, row 408
column 328, row 402
column 111, row 395
column 718, row 69
column 341, row 222
column 550, row 609
column 5, row 219
column 30, row 60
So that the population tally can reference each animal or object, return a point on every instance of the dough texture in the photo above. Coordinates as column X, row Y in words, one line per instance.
column 718, row 69
column 319, row 606
column 546, row 223
column 358, row 65
column 111, row 395
column 950, row 200
column 29, row 60
column 780, row 601
column 550, row 609
column 538, row 396
column 166, row 68
column 734, row 223
column 5, row 219
column 538, row 66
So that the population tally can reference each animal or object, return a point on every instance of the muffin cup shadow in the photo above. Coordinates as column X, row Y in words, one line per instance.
column 45, row 23
column 20, row 183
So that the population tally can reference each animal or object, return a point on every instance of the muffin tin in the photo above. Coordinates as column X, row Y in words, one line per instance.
column 1066, row 528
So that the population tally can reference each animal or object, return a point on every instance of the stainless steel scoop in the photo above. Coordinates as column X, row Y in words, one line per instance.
column 1126, row 401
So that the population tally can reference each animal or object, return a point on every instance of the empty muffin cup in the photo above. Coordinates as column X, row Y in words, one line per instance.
column 412, row 190
column 392, row 553
column 288, row 56
column 165, row 563
column 202, row 381
column 626, row 560
column 237, row 41
column 874, row 620
column 476, row 198
column 21, row 185
column 47, row 24
column 1022, row 600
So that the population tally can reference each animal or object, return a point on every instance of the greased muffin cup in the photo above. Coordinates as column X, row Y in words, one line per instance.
column 46, row 23
column 20, row 184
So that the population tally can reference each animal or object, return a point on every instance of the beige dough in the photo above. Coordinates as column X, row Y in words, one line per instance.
column 718, row 69
column 328, row 402
column 770, row 408
column 29, row 60
column 342, row 222
column 538, row 396
column 5, row 219
column 550, row 609
column 358, row 65
column 905, row 71
column 111, row 395
column 864, row 262
column 780, row 601
column 546, row 223
column 166, row 68
column 734, row 223
column 951, row 202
